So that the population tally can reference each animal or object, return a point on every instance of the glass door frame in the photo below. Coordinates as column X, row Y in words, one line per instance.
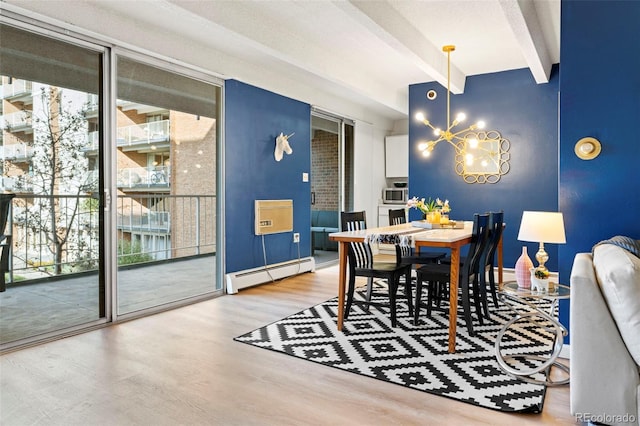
column 341, row 122
column 192, row 73
column 106, row 163
column 102, row 49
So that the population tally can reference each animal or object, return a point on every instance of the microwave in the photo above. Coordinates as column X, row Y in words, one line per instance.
column 395, row 195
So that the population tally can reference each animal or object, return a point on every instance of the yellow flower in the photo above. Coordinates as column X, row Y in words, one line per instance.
column 429, row 206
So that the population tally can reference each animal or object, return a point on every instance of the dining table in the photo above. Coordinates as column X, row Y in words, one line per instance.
column 418, row 236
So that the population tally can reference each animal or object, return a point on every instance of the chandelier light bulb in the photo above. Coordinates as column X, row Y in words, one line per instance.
column 484, row 163
column 480, row 124
column 437, row 131
column 473, row 143
column 461, row 117
column 422, row 146
column 426, row 153
column 469, row 159
column 420, row 116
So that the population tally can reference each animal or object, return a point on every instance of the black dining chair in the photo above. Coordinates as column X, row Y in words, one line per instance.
column 362, row 264
column 496, row 226
column 438, row 276
column 406, row 253
column 5, row 240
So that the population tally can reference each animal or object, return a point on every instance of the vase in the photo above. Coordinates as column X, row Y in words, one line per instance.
column 433, row 216
column 523, row 266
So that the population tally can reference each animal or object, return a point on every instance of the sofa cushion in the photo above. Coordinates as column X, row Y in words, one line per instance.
column 328, row 219
column 618, row 273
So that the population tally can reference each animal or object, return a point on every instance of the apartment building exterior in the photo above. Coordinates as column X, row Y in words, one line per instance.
column 160, row 167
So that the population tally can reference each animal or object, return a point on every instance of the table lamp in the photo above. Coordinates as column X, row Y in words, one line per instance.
column 542, row 227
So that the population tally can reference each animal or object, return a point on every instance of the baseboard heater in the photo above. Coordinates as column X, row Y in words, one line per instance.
column 250, row 277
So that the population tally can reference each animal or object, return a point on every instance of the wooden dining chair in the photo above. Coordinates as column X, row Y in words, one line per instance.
column 406, row 253
column 438, row 276
column 362, row 264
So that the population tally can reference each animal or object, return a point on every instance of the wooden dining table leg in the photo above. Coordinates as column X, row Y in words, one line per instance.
column 342, row 280
column 453, row 296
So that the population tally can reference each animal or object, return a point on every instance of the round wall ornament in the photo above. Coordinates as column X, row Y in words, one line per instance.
column 588, row 148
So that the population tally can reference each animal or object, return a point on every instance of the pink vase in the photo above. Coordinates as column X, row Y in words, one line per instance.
column 524, row 263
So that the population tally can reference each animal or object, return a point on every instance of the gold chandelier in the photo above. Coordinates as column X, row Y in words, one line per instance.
column 481, row 157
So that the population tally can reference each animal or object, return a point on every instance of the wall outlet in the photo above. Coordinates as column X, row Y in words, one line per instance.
column 296, row 237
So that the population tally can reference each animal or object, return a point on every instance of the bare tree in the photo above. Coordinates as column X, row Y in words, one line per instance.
column 59, row 169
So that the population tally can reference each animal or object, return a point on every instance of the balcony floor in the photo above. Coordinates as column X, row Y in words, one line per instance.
column 29, row 310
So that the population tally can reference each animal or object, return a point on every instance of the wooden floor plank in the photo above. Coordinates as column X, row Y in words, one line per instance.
column 182, row 367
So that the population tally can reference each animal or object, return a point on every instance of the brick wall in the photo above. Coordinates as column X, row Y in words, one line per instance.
column 324, row 170
column 193, row 172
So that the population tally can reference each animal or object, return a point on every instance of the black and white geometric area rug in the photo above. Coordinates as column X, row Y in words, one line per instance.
column 413, row 356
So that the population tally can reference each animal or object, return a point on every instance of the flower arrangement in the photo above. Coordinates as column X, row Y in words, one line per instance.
column 430, row 205
column 541, row 274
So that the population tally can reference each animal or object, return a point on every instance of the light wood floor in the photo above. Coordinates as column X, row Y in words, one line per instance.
column 182, row 367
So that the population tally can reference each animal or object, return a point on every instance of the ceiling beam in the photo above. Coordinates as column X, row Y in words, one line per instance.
column 523, row 20
column 387, row 24
column 246, row 21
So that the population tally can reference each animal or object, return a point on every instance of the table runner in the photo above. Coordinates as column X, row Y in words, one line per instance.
column 402, row 238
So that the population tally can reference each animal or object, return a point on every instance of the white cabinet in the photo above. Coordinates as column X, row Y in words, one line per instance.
column 396, row 156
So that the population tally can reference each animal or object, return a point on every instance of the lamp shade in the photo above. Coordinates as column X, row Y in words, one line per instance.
column 542, row 227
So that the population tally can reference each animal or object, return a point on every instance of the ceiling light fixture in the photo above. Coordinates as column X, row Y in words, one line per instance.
column 481, row 157
column 449, row 135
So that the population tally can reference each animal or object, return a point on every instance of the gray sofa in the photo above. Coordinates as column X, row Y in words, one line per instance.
column 605, row 336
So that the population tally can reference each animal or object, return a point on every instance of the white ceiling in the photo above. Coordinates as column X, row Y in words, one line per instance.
column 368, row 52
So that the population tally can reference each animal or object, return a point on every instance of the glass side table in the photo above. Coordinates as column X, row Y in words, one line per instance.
column 524, row 303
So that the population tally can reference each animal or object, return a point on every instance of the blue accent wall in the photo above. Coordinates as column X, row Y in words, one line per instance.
column 526, row 114
column 598, row 89
column 253, row 119
column 599, row 97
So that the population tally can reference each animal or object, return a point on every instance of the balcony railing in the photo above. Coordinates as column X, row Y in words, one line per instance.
column 181, row 225
column 150, row 221
column 20, row 184
column 16, row 88
column 18, row 121
column 92, row 141
column 138, row 134
column 144, row 177
column 146, row 133
column 16, row 152
column 93, row 105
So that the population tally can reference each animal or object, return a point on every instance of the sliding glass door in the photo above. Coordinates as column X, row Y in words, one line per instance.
column 108, row 185
column 167, row 132
column 331, row 180
column 51, row 119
